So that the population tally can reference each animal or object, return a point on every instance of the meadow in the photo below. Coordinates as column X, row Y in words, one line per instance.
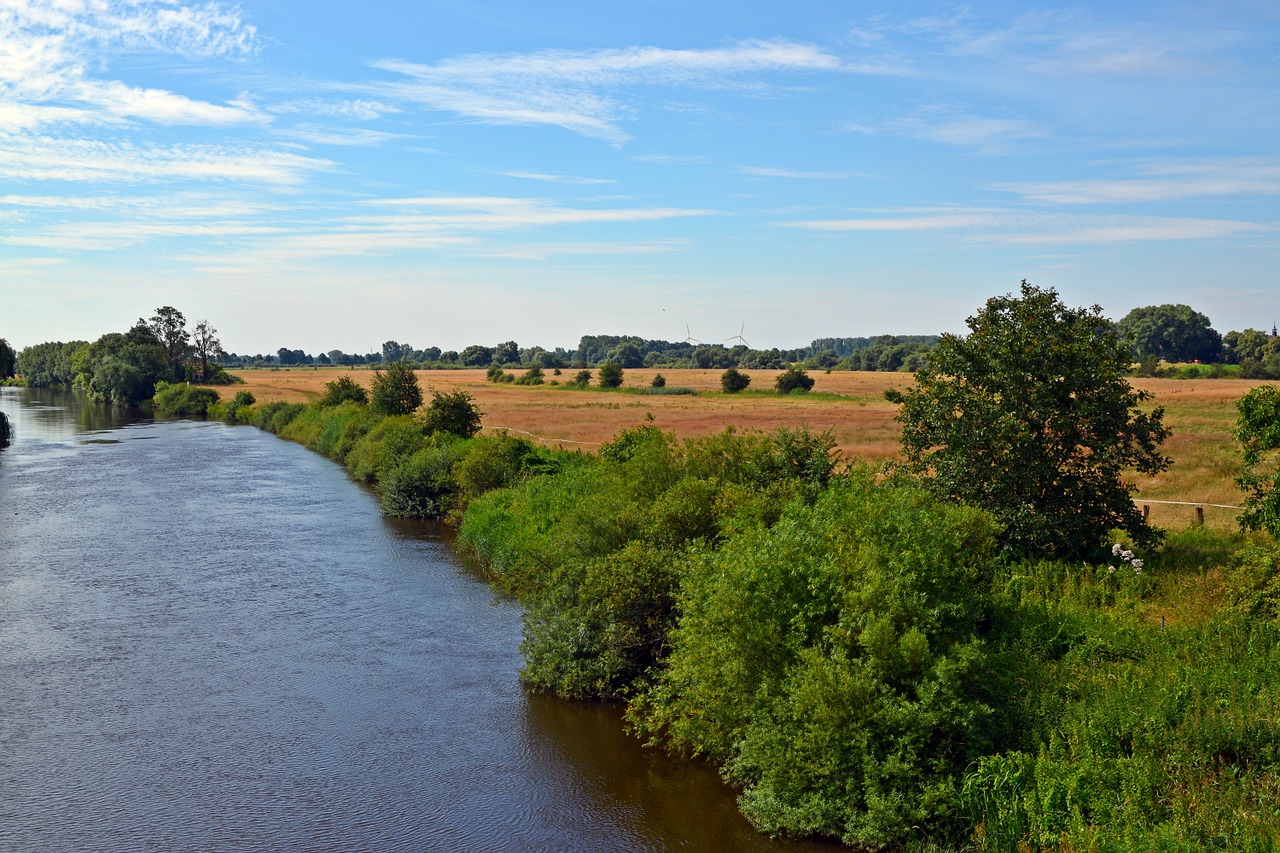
column 1201, row 414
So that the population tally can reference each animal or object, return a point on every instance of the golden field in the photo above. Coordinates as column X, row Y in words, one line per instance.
column 851, row 405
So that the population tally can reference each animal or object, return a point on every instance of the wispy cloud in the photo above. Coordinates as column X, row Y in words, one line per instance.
column 982, row 134
column 575, row 90
column 772, row 172
column 1160, row 182
column 1009, row 226
column 557, row 179
column 50, row 158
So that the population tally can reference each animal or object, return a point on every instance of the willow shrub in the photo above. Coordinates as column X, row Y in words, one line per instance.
column 832, row 663
column 421, row 484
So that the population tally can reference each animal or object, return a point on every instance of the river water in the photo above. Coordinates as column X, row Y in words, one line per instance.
column 211, row 639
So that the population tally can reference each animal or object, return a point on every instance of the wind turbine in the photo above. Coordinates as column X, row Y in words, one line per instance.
column 689, row 338
column 739, row 337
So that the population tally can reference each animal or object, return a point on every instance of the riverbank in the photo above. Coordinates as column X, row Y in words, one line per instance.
column 801, row 628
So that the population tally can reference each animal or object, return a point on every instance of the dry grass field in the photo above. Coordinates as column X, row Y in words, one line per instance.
column 1201, row 414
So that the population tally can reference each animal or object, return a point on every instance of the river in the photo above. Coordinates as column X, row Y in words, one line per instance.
column 211, row 639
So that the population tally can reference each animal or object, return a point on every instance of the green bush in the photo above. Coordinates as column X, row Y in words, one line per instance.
column 184, row 400
column 833, row 663
column 794, row 379
column 384, row 444
column 610, row 375
column 421, row 485
column 732, row 381
column 344, row 389
column 452, row 413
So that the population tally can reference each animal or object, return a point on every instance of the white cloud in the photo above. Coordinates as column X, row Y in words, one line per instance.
column 1160, row 182
column 771, row 172
column 1008, row 226
column 45, row 158
column 570, row 89
column 557, row 179
column 983, row 134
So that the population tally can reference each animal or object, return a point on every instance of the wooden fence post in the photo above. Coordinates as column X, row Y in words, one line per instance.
column 1146, row 513
column 1200, row 516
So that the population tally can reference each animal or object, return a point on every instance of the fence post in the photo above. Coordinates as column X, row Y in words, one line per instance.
column 1146, row 513
column 1200, row 516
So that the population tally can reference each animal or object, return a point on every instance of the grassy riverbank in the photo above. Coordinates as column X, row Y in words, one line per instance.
column 853, row 654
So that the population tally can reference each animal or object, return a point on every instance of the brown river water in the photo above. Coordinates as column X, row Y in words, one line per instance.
column 211, row 639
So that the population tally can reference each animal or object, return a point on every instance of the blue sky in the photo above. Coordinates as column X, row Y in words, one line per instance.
column 332, row 175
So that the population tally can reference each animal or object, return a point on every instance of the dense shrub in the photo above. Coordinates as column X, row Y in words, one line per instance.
column 421, row 485
column 395, row 391
column 832, row 663
column 384, row 444
column 793, row 379
column 452, row 413
column 275, row 416
column 733, row 380
column 610, row 375
column 344, row 389
column 184, row 400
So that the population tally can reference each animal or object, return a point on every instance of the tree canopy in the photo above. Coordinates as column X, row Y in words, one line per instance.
column 1171, row 332
column 395, row 391
column 1030, row 417
column 1258, row 431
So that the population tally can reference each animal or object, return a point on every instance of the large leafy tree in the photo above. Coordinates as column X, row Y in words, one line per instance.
column 7, row 359
column 1258, row 431
column 1030, row 416
column 1171, row 332
column 122, row 369
column 170, row 327
column 395, row 391
column 206, row 346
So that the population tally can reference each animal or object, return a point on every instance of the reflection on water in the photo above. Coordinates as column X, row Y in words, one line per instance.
column 211, row 639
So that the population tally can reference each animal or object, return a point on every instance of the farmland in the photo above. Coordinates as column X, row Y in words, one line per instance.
column 851, row 405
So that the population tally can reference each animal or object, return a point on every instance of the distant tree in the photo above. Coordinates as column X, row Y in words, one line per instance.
column 122, row 369
column 1258, row 431
column 1171, row 332
column 627, row 354
column 49, row 364
column 5, row 431
column 8, row 359
column 477, row 356
column 206, row 346
column 344, row 389
column 1249, row 345
column 431, row 354
column 582, row 378
column 532, row 376
column 659, row 381
column 794, row 379
column 507, row 353
column 452, row 412
column 395, row 391
column 170, row 328
column 1031, row 418
column 732, row 381
column 392, row 351
column 610, row 375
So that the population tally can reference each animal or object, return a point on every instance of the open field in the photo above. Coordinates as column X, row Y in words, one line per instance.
column 1200, row 412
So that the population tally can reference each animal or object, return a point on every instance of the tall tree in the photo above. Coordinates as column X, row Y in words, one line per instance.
column 207, row 346
column 8, row 358
column 395, row 391
column 170, row 327
column 1171, row 332
column 1030, row 417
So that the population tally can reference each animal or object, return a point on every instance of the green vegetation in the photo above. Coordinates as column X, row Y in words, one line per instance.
column 1030, row 417
column 1258, row 432
column 184, row 400
column 344, row 389
column 8, row 359
column 5, row 430
column 732, row 381
column 610, row 374
column 395, row 391
column 794, row 379
column 1170, row 332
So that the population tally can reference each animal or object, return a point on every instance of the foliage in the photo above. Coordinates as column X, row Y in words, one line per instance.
column 275, row 416
column 831, row 662
column 793, row 379
column 532, row 376
column 659, row 381
column 581, row 379
column 382, row 445
column 49, row 364
column 8, row 359
column 453, row 413
column 170, row 328
column 1170, row 332
column 610, row 375
column 344, row 389
column 122, row 369
column 1031, row 418
column 1258, row 432
column 732, row 381
column 184, row 400
column 232, row 410
column 421, row 485
column 395, row 391
column 5, row 430
column 1251, row 345
column 205, row 346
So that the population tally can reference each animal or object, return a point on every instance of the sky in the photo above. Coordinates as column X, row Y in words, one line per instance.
column 326, row 175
